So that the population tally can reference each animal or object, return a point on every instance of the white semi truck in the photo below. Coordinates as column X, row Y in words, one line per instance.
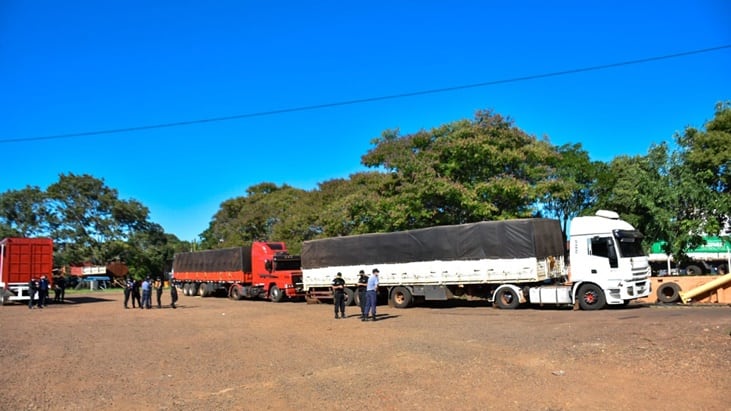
column 508, row 263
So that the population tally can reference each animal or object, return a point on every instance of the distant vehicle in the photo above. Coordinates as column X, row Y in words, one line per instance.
column 263, row 270
column 505, row 262
column 20, row 260
column 712, row 257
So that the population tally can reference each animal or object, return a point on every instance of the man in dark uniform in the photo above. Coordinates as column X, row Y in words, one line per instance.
column 42, row 291
column 32, row 289
column 338, row 287
column 173, row 294
column 128, row 285
column 158, row 286
column 61, row 286
column 362, row 284
column 136, row 294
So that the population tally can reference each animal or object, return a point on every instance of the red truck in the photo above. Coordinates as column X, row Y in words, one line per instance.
column 263, row 270
column 20, row 260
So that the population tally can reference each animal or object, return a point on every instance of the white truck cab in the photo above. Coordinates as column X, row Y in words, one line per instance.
column 607, row 262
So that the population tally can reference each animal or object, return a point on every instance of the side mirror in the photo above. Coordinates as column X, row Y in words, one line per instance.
column 268, row 265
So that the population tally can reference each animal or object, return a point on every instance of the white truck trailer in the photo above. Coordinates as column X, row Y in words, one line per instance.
column 505, row 262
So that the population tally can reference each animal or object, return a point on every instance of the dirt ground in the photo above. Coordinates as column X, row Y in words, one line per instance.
column 219, row 354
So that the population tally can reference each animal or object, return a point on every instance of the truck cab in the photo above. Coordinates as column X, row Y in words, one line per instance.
column 276, row 271
column 608, row 263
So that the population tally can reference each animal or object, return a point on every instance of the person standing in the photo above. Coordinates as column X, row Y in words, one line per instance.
column 61, row 284
column 136, row 294
column 371, row 296
column 32, row 290
column 128, row 286
column 338, row 287
column 146, row 294
column 173, row 295
column 56, row 290
column 42, row 291
column 158, row 285
column 362, row 284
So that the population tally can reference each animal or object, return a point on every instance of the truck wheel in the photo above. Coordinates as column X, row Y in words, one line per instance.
column 203, row 290
column 722, row 269
column 275, row 294
column 235, row 292
column 507, row 299
column 693, row 270
column 401, row 297
column 591, row 297
column 186, row 289
column 349, row 297
column 668, row 293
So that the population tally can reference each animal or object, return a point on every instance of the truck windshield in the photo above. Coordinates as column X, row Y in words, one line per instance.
column 630, row 243
column 289, row 263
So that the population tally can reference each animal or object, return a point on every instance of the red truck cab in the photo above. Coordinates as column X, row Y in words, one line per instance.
column 276, row 271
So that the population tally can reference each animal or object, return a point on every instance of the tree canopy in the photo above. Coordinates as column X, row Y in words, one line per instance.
column 675, row 195
column 88, row 222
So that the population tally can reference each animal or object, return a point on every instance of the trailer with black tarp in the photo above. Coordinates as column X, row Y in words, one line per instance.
column 440, row 262
column 262, row 270
column 506, row 262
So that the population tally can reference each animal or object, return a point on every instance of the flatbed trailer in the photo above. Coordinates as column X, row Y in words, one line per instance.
column 705, row 289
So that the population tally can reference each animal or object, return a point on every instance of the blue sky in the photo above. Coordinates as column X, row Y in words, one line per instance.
column 85, row 66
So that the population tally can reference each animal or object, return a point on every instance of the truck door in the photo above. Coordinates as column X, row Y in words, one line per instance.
column 604, row 247
column 602, row 261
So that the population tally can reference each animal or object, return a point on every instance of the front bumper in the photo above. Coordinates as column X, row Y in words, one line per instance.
column 625, row 291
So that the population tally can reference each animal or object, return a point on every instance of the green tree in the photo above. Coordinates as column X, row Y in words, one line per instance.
column 355, row 205
column 86, row 218
column 675, row 195
column 573, row 186
column 149, row 252
column 639, row 188
column 23, row 213
column 260, row 215
column 465, row 171
column 706, row 155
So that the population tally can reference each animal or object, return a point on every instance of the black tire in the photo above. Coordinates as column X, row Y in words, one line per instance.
column 203, row 290
column 507, row 299
column 194, row 289
column 401, row 297
column 349, row 297
column 668, row 293
column 234, row 293
column 275, row 294
column 186, row 289
column 693, row 270
column 591, row 297
column 722, row 269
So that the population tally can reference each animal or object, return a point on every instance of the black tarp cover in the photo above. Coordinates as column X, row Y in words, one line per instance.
column 510, row 239
column 225, row 259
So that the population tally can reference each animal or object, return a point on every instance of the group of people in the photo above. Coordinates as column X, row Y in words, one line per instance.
column 367, row 295
column 141, row 293
column 38, row 288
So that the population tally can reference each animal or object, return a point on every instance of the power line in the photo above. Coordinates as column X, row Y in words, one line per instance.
column 367, row 99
